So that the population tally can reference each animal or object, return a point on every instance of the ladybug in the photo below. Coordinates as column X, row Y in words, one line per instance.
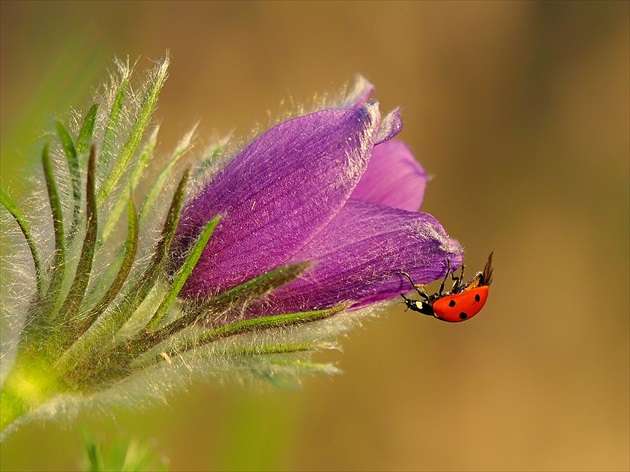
column 464, row 300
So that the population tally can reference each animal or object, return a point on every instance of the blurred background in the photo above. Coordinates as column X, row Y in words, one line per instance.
column 520, row 110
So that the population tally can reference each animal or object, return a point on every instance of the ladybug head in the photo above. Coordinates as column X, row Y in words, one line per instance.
column 426, row 308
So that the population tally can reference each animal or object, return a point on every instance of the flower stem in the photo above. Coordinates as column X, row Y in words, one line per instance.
column 29, row 385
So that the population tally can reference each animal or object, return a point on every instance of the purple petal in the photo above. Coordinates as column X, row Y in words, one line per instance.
column 360, row 93
column 360, row 255
column 393, row 178
column 276, row 195
column 390, row 127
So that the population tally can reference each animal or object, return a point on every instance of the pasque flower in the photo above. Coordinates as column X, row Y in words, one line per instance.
column 332, row 187
column 242, row 266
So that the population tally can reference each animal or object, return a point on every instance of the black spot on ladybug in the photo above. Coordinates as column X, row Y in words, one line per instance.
column 451, row 303
column 463, row 316
column 477, row 297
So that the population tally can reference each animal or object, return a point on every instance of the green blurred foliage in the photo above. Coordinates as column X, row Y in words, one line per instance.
column 122, row 454
column 519, row 110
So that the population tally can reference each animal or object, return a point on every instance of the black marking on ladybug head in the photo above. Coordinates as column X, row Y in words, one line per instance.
column 419, row 306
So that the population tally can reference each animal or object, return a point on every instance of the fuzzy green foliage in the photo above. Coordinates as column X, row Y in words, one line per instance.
column 7, row 202
column 102, row 314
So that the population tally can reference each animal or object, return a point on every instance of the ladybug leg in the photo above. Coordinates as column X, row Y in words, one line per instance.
column 457, row 281
column 422, row 292
column 418, row 288
column 448, row 272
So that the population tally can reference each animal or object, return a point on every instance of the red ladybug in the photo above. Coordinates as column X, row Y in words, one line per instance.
column 464, row 300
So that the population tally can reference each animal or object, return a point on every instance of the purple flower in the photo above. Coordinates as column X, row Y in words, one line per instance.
column 317, row 215
column 332, row 187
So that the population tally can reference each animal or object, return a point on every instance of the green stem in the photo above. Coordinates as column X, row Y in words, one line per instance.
column 12, row 407
column 29, row 385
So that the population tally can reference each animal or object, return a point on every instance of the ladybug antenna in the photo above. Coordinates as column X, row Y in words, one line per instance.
column 486, row 275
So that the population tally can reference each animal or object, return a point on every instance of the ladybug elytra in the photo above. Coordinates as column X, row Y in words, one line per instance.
column 464, row 300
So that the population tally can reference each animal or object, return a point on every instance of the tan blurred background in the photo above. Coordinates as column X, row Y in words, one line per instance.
column 520, row 111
